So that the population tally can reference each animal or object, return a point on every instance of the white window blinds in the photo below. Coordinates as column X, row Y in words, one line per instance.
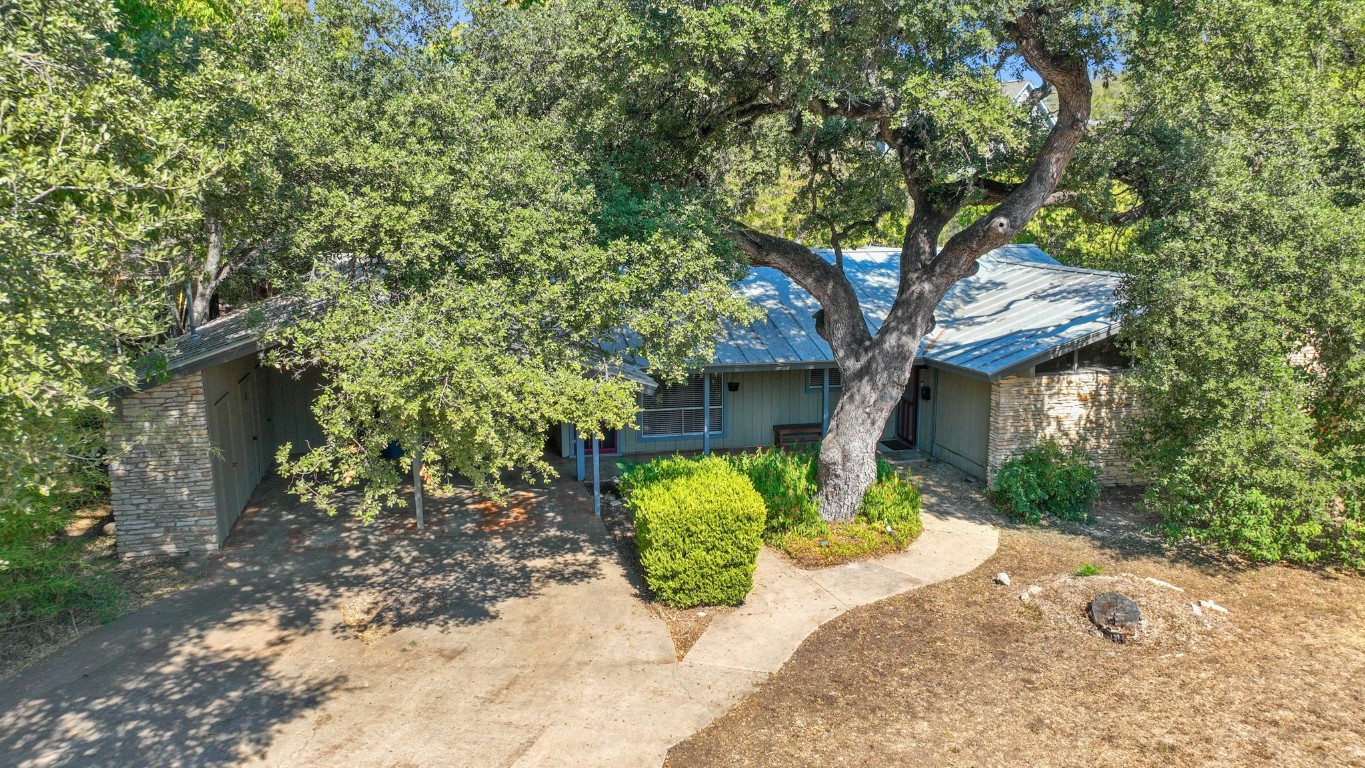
column 680, row 410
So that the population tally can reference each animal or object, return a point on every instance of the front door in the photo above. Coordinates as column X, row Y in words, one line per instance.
column 907, row 412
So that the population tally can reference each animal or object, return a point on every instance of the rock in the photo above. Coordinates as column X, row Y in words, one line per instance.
column 1212, row 606
column 1116, row 615
column 1002, row 578
column 1165, row 584
column 1197, row 610
column 110, row 529
column 1028, row 594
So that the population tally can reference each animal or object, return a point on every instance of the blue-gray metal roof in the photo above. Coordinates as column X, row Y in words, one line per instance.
column 1022, row 307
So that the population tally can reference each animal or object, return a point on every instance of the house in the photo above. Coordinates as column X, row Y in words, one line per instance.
column 1022, row 350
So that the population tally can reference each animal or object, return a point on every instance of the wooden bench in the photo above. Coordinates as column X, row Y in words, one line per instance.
column 795, row 434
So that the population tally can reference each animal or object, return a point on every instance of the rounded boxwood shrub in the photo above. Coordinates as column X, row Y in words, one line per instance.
column 1046, row 479
column 698, row 529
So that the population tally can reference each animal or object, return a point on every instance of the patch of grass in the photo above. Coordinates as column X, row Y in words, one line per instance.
column 835, row 543
column 1088, row 569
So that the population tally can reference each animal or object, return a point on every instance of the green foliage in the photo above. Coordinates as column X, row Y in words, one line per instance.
column 892, row 501
column 41, row 574
column 698, row 527
column 490, row 263
column 786, row 481
column 1248, row 294
column 1088, row 569
column 1046, row 479
column 90, row 172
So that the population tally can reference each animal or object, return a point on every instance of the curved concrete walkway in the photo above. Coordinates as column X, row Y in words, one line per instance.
column 522, row 643
column 789, row 603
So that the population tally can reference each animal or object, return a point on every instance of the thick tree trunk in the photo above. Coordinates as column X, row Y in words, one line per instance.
column 206, row 283
column 877, row 368
column 848, row 454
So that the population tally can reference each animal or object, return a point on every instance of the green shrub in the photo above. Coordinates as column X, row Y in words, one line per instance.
column 786, row 481
column 634, row 476
column 1088, row 569
column 892, row 501
column 1046, row 479
column 698, row 528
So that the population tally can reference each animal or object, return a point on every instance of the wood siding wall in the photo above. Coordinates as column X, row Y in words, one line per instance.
column 764, row 399
column 291, row 409
column 238, row 395
column 961, row 423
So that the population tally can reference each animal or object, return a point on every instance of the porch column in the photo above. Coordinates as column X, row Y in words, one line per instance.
column 596, row 477
column 706, row 414
column 578, row 454
column 824, row 402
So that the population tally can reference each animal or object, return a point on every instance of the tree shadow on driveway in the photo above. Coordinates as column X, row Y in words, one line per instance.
column 209, row 675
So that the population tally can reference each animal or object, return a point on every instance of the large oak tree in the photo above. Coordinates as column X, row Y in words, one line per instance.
column 899, row 101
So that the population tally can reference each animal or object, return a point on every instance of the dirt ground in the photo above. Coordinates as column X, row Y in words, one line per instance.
column 966, row 673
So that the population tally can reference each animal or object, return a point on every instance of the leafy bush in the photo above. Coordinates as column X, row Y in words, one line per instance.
column 1088, row 569
column 786, row 481
column 698, row 528
column 888, row 520
column 41, row 574
column 1046, row 479
column 636, row 476
column 892, row 501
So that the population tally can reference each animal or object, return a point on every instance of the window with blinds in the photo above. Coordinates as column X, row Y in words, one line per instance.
column 816, row 378
column 679, row 410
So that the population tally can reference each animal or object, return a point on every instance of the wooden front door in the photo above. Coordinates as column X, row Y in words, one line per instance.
column 907, row 412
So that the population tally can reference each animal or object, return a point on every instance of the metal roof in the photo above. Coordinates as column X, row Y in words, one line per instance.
column 218, row 341
column 1021, row 308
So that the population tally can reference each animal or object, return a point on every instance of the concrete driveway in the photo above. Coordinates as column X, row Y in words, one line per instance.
column 521, row 642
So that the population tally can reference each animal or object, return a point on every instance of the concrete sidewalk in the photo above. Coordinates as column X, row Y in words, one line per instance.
column 789, row 603
column 522, row 642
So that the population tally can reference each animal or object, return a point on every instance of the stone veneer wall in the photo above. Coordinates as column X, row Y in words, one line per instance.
column 1086, row 408
column 161, row 474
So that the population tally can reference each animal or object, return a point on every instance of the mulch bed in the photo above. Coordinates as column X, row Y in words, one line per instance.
column 966, row 673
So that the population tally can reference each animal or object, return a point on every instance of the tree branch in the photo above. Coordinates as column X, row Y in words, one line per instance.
column 843, row 324
column 850, row 108
column 1070, row 77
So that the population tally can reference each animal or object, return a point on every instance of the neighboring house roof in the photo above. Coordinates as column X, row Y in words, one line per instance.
column 1021, row 308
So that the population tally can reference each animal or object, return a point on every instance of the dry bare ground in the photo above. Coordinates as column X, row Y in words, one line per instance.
column 966, row 673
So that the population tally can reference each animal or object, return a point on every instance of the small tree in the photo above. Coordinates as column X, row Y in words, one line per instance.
column 478, row 279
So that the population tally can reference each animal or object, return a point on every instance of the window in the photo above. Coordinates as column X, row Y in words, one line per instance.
column 1100, row 356
column 816, row 378
column 679, row 410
